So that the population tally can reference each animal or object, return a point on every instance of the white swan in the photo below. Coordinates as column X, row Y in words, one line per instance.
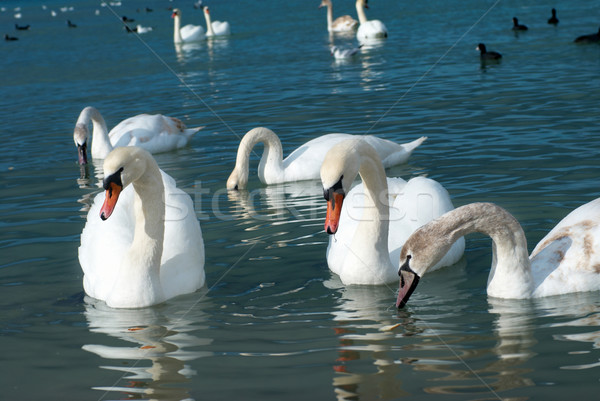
column 345, row 23
column 188, row 33
column 368, row 29
column 303, row 163
column 155, row 133
column 564, row 261
column 215, row 28
column 372, row 221
column 150, row 247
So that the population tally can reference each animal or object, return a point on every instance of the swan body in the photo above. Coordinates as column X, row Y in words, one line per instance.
column 187, row 33
column 344, row 23
column 149, row 248
column 372, row 221
column 368, row 29
column 155, row 133
column 303, row 163
column 215, row 28
column 564, row 261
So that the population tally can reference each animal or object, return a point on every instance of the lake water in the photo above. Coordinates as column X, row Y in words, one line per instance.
column 273, row 323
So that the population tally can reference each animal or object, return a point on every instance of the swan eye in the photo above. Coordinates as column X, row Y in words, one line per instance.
column 113, row 178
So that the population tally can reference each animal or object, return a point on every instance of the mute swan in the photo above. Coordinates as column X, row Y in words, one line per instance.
column 303, row 163
column 215, row 28
column 155, row 133
column 564, row 261
column 373, row 29
column 345, row 23
column 188, row 33
column 149, row 248
column 372, row 221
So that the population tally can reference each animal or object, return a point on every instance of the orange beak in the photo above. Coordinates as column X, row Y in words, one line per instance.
column 334, row 210
column 110, row 200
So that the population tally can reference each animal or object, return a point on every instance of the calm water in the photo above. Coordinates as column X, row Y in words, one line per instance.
column 273, row 322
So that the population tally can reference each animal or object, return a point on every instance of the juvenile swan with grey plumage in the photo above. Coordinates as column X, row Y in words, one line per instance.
column 564, row 261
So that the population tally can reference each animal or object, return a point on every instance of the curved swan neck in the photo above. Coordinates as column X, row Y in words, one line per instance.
column 101, row 145
column 510, row 275
column 270, row 167
column 360, row 11
column 209, row 29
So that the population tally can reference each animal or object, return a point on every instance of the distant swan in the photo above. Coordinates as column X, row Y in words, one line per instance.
column 215, row 28
column 188, row 33
column 303, row 163
column 372, row 221
column 517, row 26
column 146, row 249
column 155, row 133
column 368, row 29
column 344, row 23
column 564, row 261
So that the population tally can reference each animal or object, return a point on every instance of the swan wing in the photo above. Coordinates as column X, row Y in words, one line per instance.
column 568, row 258
column 190, row 33
column 413, row 205
column 155, row 133
column 305, row 162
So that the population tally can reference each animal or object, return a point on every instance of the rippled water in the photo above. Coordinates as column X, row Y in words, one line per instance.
column 273, row 322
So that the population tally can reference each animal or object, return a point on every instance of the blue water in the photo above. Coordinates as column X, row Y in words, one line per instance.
column 273, row 323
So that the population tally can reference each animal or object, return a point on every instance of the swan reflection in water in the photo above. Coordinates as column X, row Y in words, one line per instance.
column 480, row 352
column 156, row 345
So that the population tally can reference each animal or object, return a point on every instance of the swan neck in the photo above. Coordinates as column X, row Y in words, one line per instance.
column 360, row 11
column 270, row 168
column 177, row 29
column 101, row 145
column 510, row 275
column 149, row 205
column 373, row 228
column 209, row 29
column 329, row 17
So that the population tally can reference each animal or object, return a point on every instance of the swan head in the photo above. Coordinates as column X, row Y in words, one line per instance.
column 80, row 136
column 325, row 3
column 176, row 13
column 238, row 179
column 363, row 3
column 338, row 171
column 422, row 250
column 122, row 166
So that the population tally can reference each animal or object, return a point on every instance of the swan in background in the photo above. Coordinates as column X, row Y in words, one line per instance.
column 372, row 221
column 368, row 29
column 188, row 33
column 149, row 247
column 303, row 163
column 215, row 28
column 155, row 133
column 345, row 23
column 564, row 261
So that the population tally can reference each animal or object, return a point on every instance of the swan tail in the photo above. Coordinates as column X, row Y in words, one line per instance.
column 191, row 131
column 402, row 155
